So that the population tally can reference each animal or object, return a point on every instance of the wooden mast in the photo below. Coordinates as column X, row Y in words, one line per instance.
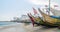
column 49, row 8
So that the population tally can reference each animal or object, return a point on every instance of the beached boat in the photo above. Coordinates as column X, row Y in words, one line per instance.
column 46, row 21
column 49, row 21
column 36, row 20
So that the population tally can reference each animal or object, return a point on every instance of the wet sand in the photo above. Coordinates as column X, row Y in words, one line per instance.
column 30, row 28
column 27, row 28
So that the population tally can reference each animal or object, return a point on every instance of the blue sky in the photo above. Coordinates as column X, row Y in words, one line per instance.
column 16, row 8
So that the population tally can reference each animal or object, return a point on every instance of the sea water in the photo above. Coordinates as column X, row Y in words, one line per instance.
column 27, row 28
column 2, row 23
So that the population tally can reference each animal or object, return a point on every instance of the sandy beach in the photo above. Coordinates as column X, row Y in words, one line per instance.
column 30, row 28
column 19, row 27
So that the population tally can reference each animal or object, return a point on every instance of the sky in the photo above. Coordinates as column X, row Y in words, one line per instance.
column 16, row 8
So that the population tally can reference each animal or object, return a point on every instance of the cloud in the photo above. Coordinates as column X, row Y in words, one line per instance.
column 38, row 2
column 42, row 2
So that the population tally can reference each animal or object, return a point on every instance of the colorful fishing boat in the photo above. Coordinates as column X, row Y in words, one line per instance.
column 49, row 21
column 36, row 20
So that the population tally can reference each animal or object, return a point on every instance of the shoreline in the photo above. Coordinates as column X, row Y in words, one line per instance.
column 21, row 27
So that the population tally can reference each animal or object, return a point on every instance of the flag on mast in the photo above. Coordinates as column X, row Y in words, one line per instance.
column 55, row 5
column 46, row 5
column 35, row 11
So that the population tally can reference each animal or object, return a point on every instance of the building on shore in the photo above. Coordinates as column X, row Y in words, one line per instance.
column 23, row 18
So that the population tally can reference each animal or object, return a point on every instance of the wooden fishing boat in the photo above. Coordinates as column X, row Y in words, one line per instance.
column 49, row 21
column 36, row 20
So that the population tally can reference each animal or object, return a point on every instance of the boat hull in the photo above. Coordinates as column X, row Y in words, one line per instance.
column 49, row 21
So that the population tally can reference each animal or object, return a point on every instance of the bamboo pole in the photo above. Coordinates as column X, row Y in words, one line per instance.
column 49, row 8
